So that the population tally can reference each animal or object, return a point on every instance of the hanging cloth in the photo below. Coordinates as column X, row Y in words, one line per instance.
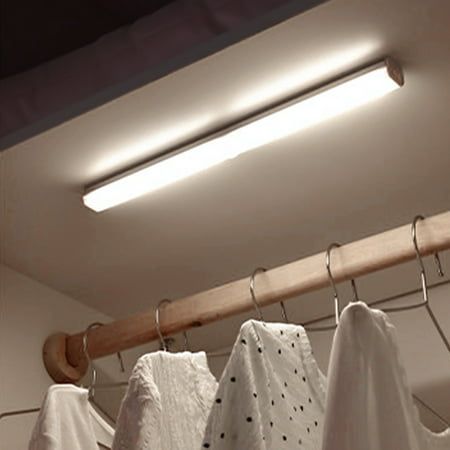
column 271, row 394
column 67, row 421
column 167, row 403
column 369, row 405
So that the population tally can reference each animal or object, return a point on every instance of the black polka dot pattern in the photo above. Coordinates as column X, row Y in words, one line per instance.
column 270, row 392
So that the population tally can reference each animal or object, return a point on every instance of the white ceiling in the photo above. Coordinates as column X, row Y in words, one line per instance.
column 360, row 173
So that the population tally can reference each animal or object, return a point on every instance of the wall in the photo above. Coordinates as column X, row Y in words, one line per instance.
column 29, row 312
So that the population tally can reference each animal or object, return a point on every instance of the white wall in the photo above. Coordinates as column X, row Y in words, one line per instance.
column 29, row 312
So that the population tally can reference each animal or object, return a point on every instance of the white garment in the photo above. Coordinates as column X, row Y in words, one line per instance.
column 67, row 421
column 369, row 405
column 271, row 394
column 167, row 403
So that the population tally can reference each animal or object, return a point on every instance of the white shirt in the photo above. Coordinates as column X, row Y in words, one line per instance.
column 271, row 394
column 67, row 421
column 167, row 403
column 369, row 405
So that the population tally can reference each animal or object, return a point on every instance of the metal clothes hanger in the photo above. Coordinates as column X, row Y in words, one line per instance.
column 284, row 312
column 225, row 353
column 255, row 301
column 336, row 301
column 252, row 292
column 18, row 412
column 93, row 382
column 221, row 354
column 165, row 342
column 425, row 302
column 163, row 345
column 423, row 280
column 423, row 276
column 93, row 386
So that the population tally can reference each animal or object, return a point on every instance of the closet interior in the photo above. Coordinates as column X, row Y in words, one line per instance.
column 242, row 245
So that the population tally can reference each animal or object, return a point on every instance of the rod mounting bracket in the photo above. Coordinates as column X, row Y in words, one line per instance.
column 55, row 360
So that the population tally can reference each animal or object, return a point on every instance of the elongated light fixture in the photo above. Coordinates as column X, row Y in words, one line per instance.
column 283, row 120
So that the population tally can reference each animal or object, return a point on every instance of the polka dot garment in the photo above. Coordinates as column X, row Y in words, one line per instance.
column 271, row 395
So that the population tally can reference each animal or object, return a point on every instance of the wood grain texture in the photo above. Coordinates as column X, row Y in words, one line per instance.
column 349, row 261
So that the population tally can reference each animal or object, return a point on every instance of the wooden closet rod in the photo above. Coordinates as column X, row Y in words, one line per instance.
column 63, row 356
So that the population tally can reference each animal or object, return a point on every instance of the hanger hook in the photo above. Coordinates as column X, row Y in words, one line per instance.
column 284, row 313
column 355, row 290
column 423, row 279
column 252, row 291
column 437, row 260
column 85, row 346
column 186, row 342
column 423, row 276
column 162, row 341
column 337, row 307
column 91, row 388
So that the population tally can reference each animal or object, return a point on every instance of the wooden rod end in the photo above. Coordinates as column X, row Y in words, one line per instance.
column 56, row 363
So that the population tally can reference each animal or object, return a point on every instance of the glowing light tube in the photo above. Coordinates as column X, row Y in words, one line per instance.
column 307, row 110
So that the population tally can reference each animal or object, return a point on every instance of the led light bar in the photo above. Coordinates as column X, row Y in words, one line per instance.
column 286, row 119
